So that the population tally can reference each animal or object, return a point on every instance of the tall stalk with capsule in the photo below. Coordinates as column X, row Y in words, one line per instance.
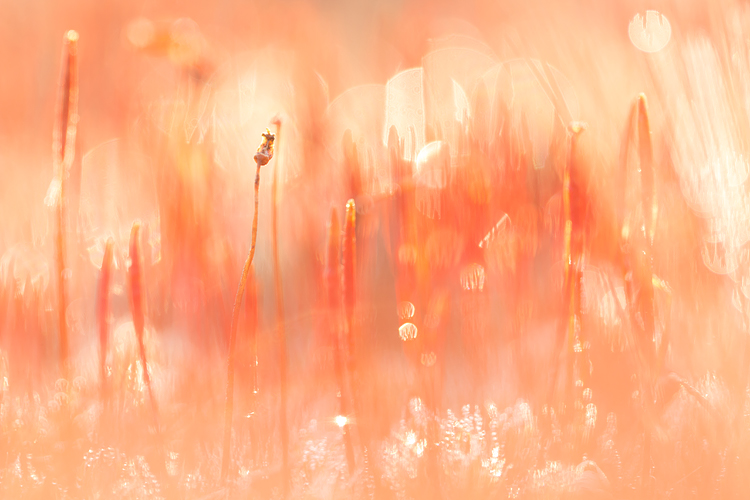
column 262, row 157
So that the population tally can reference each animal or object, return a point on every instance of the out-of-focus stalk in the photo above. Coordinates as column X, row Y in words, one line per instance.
column 102, row 314
column 572, row 251
column 349, row 260
column 640, row 266
column 349, row 256
column 262, row 157
column 649, row 208
column 63, row 151
column 638, row 242
column 646, row 157
column 622, row 175
column 644, row 272
column 137, row 309
column 333, row 285
column 280, row 330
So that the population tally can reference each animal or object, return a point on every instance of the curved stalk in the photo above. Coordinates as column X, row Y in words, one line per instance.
column 233, row 337
column 262, row 157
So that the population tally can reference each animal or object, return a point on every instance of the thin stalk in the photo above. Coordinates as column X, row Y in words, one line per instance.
column 349, row 259
column 251, row 324
column 262, row 157
column 61, row 291
column 645, row 270
column 622, row 175
column 63, row 150
column 646, row 157
column 649, row 209
column 333, row 284
column 571, row 258
column 349, row 256
column 137, row 309
column 229, row 405
column 251, row 318
column 102, row 315
column 640, row 243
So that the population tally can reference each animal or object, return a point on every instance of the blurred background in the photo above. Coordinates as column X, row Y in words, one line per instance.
column 539, row 288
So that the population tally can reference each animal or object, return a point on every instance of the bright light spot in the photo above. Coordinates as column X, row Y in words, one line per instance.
column 411, row 438
column 341, row 420
column 415, row 404
column 491, row 409
column 405, row 310
column 407, row 331
column 650, row 33
column 419, row 447
column 433, row 164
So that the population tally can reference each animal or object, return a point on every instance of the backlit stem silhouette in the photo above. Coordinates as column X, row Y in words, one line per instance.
column 262, row 157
